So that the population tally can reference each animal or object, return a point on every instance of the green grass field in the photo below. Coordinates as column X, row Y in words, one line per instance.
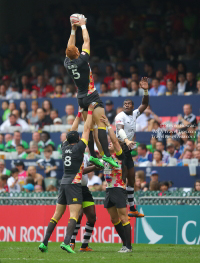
column 29, row 252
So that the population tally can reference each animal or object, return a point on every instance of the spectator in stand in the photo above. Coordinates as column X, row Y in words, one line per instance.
column 187, row 154
column 152, row 146
column 154, row 186
column 32, row 173
column 196, row 155
column 94, row 182
column 3, row 169
column 171, row 89
column 3, row 183
column 34, row 94
column 32, row 116
column 142, row 120
column 141, row 175
column 28, row 188
column 13, row 93
column 153, row 178
column 165, row 155
column 191, row 83
column 45, row 141
column 47, row 106
column 48, row 163
column 198, row 87
column 164, row 186
column 160, row 76
column 119, row 109
column 57, row 121
column 19, row 164
column 51, row 188
column 135, row 89
column 181, row 68
column 25, row 84
column 43, row 89
column 197, row 186
column 21, row 153
column 149, row 71
column 188, row 119
column 3, row 92
column 12, row 182
column 38, row 189
column 171, row 72
column 6, row 110
column 137, row 185
column 54, row 114
column 58, row 92
column 8, row 137
column 69, row 109
column 118, row 75
column 109, row 75
column 12, row 122
column 97, row 83
column 110, row 111
column 119, row 90
column 23, row 110
column 34, row 152
column 144, row 157
column 11, row 145
column 157, row 89
column 134, row 77
column 43, row 119
column 157, row 159
column 36, row 137
column 70, row 119
column 63, row 137
column 2, row 146
column 172, row 152
column 104, row 90
column 19, row 122
column 181, row 86
column 12, row 105
column 34, row 75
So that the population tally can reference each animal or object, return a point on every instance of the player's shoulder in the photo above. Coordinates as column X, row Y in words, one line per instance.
column 136, row 113
column 120, row 115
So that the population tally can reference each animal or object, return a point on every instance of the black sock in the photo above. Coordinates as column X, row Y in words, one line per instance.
column 78, row 225
column 70, row 229
column 102, row 135
column 127, row 230
column 120, row 230
column 130, row 195
column 91, row 144
column 50, row 229
column 88, row 232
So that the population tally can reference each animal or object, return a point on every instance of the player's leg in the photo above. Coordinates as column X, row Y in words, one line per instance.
column 89, row 211
column 127, row 228
column 60, row 209
column 78, row 225
column 102, row 135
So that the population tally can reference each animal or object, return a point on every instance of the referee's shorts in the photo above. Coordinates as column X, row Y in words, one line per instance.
column 87, row 197
column 70, row 194
column 115, row 196
column 87, row 100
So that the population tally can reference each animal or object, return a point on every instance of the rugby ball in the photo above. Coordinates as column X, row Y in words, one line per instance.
column 75, row 18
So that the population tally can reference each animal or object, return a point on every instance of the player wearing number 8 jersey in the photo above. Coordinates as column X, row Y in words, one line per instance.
column 70, row 192
column 77, row 65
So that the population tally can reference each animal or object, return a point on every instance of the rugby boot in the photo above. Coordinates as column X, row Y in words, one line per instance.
column 110, row 161
column 135, row 214
column 87, row 249
column 66, row 248
column 43, row 248
column 96, row 162
column 72, row 245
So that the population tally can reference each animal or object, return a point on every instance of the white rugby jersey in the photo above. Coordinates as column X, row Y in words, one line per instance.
column 84, row 181
column 129, row 122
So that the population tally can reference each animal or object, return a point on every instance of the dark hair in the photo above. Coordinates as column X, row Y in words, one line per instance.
column 135, row 81
column 164, row 183
column 171, row 64
column 26, row 110
column 12, row 115
column 103, row 83
column 156, row 79
column 129, row 100
column 197, row 181
column 161, row 155
column 170, row 80
column 17, row 132
column 30, row 180
column 149, row 64
column 20, row 145
column 119, row 72
column 51, row 106
column 143, row 146
column 55, row 110
column 14, row 170
column 48, row 147
column 5, row 102
column 190, row 140
column 47, row 133
column 4, row 177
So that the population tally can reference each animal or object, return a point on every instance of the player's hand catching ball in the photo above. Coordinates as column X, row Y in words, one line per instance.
column 105, row 120
column 144, row 83
column 81, row 22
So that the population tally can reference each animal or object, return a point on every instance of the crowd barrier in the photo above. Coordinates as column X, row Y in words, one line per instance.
column 180, row 176
column 29, row 224
column 160, row 105
column 168, row 225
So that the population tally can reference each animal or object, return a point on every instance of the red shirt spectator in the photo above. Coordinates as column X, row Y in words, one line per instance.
column 42, row 88
column 172, row 72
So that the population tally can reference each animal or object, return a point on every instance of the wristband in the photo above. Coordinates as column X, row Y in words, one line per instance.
column 83, row 26
column 90, row 112
column 109, row 127
column 146, row 92
column 73, row 32
column 122, row 134
column 79, row 114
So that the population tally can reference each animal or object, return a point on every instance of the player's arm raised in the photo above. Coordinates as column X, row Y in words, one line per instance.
column 72, row 38
column 145, row 100
column 77, row 120
column 86, row 37
column 113, row 137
